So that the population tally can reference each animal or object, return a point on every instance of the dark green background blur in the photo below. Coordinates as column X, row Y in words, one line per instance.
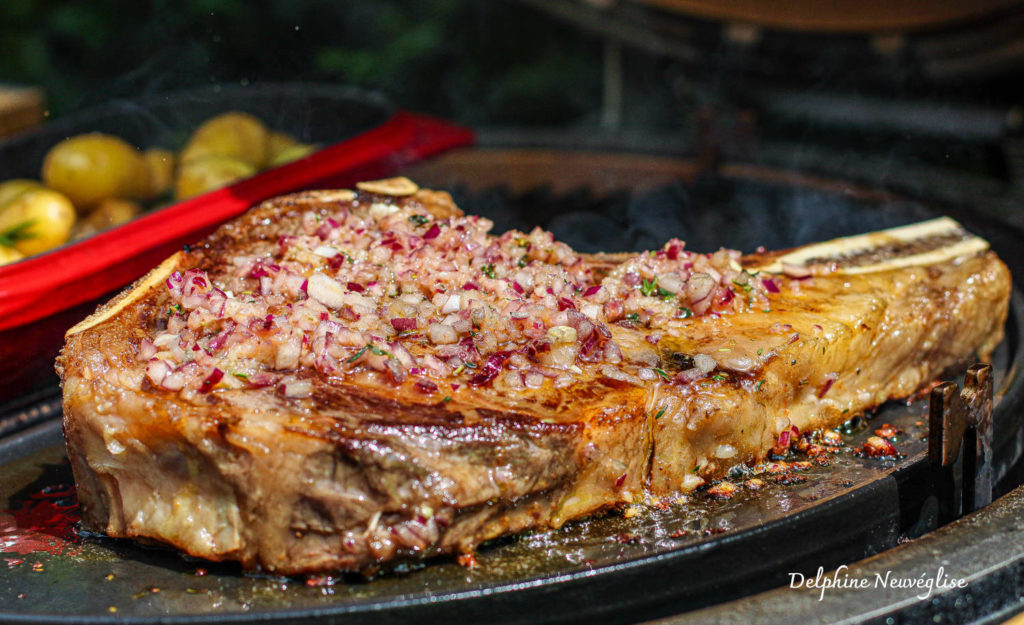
column 490, row 62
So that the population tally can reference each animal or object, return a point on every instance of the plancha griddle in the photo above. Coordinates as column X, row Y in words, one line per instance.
column 703, row 559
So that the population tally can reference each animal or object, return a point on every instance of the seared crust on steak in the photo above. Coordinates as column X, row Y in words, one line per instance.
column 368, row 463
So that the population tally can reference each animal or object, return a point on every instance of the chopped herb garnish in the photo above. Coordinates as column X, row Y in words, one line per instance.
column 378, row 351
column 419, row 220
column 241, row 376
column 459, row 369
column 471, row 365
column 760, row 351
column 347, row 257
column 446, row 399
column 634, row 317
column 760, row 383
column 649, row 287
column 659, row 414
column 686, row 312
column 488, row 271
column 718, row 377
column 665, row 294
column 743, row 285
column 522, row 260
column 17, row 232
column 358, row 354
column 661, row 372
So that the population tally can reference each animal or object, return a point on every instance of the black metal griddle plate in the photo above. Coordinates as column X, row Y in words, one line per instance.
column 703, row 551
column 616, row 569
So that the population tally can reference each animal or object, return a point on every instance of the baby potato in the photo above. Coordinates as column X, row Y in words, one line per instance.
column 278, row 142
column 293, row 153
column 160, row 165
column 9, row 255
column 209, row 173
column 238, row 135
column 112, row 212
column 37, row 220
column 10, row 189
column 91, row 167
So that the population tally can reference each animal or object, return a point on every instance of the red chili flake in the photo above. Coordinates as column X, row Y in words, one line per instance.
column 468, row 560
column 793, row 339
column 200, row 572
column 517, row 288
column 211, row 380
column 470, row 286
column 726, row 297
column 679, row 534
column 432, row 233
column 403, row 324
column 315, row 581
column 591, row 290
column 770, row 285
column 305, row 284
column 673, row 251
column 564, row 303
column 336, row 261
column 355, row 287
column 620, row 481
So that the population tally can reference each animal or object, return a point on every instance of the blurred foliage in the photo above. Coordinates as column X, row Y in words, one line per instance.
column 483, row 62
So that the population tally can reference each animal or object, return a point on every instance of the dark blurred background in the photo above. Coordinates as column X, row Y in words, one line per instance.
column 910, row 94
column 478, row 62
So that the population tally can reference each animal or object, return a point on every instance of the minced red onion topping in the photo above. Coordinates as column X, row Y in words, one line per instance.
column 435, row 303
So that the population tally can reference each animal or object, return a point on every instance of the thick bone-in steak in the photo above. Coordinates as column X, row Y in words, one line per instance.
column 338, row 379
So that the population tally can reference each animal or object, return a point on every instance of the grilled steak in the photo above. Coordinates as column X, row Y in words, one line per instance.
column 339, row 379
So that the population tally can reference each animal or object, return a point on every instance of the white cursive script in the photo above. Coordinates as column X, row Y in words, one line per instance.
column 927, row 583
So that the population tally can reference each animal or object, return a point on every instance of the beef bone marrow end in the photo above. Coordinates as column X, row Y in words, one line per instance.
column 338, row 379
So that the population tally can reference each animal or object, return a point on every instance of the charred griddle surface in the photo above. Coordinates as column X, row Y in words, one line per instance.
column 703, row 551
